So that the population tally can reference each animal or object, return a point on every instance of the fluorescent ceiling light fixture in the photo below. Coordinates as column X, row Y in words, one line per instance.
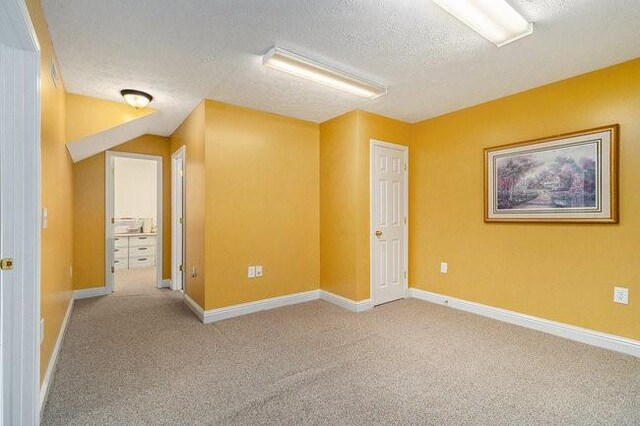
column 300, row 66
column 136, row 98
column 494, row 20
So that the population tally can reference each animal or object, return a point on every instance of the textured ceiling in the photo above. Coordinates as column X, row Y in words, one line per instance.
column 183, row 51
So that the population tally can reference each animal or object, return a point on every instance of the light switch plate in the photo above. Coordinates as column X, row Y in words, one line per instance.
column 258, row 271
column 621, row 295
column 251, row 272
column 45, row 218
column 444, row 267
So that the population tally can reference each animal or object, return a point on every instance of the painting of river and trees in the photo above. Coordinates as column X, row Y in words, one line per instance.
column 552, row 179
column 569, row 177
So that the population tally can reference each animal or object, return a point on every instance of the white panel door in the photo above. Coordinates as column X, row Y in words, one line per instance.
column 388, row 222
column 19, row 217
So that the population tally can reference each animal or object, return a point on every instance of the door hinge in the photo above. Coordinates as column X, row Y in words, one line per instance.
column 180, row 268
column 405, row 166
column 6, row 264
column 180, row 220
column 405, row 220
column 113, row 270
column 405, row 275
column 113, row 220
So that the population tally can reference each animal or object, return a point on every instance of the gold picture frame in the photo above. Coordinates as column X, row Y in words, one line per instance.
column 567, row 178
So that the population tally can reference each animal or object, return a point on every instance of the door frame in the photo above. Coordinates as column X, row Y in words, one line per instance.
column 405, row 149
column 20, row 186
column 110, row 213
column 180, row 154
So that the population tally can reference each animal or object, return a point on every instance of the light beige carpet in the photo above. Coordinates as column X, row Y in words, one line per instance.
column 144, row 359
column 130, row 282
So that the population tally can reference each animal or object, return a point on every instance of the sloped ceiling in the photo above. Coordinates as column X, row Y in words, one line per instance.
column 100, row 141
column 94, row 125
column 184, row 51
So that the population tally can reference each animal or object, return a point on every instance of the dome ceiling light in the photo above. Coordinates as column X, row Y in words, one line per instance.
column 136, row 98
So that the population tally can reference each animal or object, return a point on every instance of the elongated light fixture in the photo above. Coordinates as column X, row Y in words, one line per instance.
column 494, row 20
column 300, row 66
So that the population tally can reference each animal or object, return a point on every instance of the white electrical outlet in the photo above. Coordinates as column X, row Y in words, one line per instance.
column 444, row 267
column 621, row 295
column 258, row 271
column 251, row 272
column 41, row 330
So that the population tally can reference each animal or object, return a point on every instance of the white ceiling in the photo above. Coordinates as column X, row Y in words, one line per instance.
column 184, row 51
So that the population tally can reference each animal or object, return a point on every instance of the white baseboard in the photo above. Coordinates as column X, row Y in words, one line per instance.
column 165, row 283
column 227, row 312
column 218, row 314
column 193, row 305
column 48, row 377
column 579, row 334
column 90, row 292
column 343, row 302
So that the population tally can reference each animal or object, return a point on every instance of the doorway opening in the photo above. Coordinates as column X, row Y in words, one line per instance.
column 389, row 198
column 133, row 243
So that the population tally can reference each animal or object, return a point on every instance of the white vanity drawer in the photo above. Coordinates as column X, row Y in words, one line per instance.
column 121, row 242
column 120, row 264
column 141, row 262
column 142, row 240
column 121, row 252
column 137, row 251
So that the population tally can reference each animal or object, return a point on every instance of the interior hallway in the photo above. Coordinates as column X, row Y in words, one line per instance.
column 141, row 357
column 141, row 282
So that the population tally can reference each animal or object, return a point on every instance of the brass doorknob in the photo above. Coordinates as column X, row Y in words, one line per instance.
column 378, row 233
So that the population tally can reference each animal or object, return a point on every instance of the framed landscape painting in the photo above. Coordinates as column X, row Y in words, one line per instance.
column 566, row 178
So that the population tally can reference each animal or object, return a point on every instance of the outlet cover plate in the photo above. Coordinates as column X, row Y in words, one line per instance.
column 258, row 271
column 621, row 295
column 251, row 272
column 444, row 267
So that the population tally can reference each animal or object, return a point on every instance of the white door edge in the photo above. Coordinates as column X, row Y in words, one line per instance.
column 177, row 244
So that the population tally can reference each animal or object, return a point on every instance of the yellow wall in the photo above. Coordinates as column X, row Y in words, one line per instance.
column 57, row 196
column 86, row 116
column 191, row 134
column 561, row 272
column 344, row 198
column 89, row 210
column 339, row 205
column 262, row 204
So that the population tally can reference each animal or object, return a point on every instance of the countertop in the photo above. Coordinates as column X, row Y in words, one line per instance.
column 137, row 234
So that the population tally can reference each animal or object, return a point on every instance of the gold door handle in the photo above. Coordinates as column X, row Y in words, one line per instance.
column 378, row 233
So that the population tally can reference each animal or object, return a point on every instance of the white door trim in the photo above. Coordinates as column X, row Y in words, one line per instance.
column 176, row 259
column 20, row 186
column 405, row 149
column 109, row 213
